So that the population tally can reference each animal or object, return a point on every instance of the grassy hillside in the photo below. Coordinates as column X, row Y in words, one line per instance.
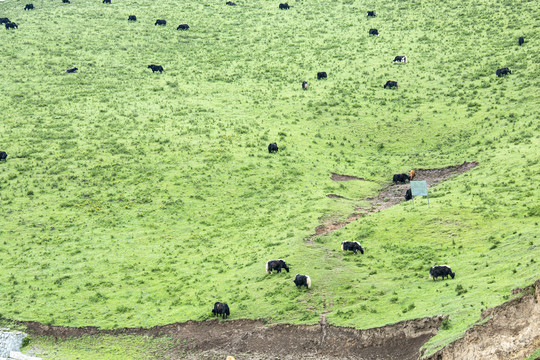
column 136, row 199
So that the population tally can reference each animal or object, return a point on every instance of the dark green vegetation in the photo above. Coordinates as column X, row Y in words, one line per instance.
column 136, row 199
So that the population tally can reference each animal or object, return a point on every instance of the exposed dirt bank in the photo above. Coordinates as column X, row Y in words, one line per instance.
column 392, row 194
column 510, row 331
column 255, row 339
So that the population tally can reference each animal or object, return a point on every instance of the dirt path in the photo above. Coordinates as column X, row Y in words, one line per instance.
column 257, row 340
column 390, row 195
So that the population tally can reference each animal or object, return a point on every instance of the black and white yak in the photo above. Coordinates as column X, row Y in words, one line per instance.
column 353, row 246
column 276, row 265
column 221, row 309
column 441, row 271
column 302, row 280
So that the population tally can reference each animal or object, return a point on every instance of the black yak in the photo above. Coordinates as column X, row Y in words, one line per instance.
column 11, row 25
column 221, row 309
column 408, row 195
column 272, row 148
column 29, row 7
column 3, row 155
column 156, row 68
column 402, row 178
column 400, row 59
column 304, row 85
column 72, row 70
column 373, row 32
column 276, row 265
column 371, row 13
column 441, row 271
column 132, row 18
column 391, row 84
column 521, row 40
column 503, row 71
column 160, row 22
column 284, row 6
column 4, row 20
column 183, row 27
column 321, row 75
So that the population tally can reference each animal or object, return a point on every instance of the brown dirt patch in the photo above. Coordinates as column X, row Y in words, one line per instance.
column 339, row 177
column 393, row 194
column 510, row 331
column 334, row 196
column 257, row 340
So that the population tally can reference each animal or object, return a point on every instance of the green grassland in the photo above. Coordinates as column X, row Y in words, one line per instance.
column 138, row 199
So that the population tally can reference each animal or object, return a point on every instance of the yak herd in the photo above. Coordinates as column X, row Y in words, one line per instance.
column 222, row 309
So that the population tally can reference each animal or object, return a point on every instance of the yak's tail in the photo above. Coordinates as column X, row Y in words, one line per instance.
column 342, row 247
column 268, row 272
column 308, row 280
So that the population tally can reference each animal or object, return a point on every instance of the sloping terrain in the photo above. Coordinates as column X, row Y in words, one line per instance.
column 510, row 331
column 138, row 199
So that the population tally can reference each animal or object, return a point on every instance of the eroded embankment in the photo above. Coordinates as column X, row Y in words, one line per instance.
column 510, row 331
column 255, row 339
column 390, row 195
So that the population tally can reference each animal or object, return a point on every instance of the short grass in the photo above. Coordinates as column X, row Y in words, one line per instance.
column 138, row 199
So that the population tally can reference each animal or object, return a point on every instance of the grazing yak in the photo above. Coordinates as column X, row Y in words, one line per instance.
column 272, row 148
column 400, row 178
column 284, row 6
column 408, row 195
column 353, row 246
column 230, row 3
column 521, row 40
column 160, row 22
column 441, row 271
column 371, row 13
column 321, row 75
column 4, row 20
column 156, row 68
column 221, row 309
column 390, row 84
column 132, row 18
column 400, row 59
column 304, row 85
column 3, row 155
column 276, row 265
column 183, row 27
column 72, row 70
column 66, row 2
column 302, row 280
column 373, row 32
column 412, row 174
column 11, row 25
column 106, row 1
column 29, row 7
column 503, row 71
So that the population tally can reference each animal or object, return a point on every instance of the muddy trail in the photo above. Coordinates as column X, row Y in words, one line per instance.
column 257, row 340
column 390, row 195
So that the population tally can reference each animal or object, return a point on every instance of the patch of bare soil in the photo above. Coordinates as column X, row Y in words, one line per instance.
column 339, row 177
column 334, row 196
column 257, row 340
column 510, row 331
column 393, row 194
